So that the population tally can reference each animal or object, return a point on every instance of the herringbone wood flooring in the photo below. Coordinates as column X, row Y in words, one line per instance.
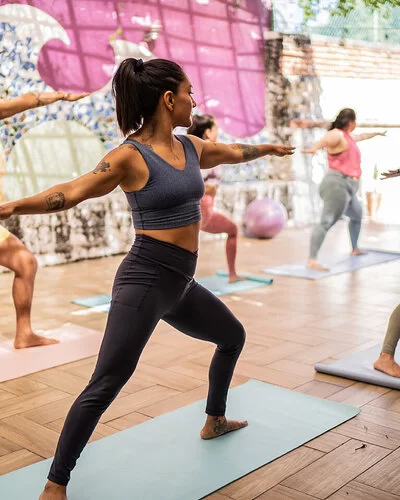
column 290, row 326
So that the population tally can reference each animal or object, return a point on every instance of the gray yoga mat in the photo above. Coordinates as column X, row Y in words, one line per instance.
column 359, row 366
column 336, row 265
column 164, row 458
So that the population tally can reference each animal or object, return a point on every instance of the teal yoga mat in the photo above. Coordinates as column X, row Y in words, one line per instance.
column 250, row 277
column 164, row 458
column 218, row 284
column 94, row 301
column 336, row 265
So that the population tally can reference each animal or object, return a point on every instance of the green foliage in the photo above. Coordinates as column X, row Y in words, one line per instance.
column 344, row 7
column 369, row 20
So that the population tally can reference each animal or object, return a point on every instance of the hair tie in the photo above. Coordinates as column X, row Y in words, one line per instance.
column 138, row 64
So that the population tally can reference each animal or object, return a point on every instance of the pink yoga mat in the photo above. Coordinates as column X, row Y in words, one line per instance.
column 76, row 342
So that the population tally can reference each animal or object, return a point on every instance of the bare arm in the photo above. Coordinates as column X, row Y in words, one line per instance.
column 108, row 174
column 330, row 141
column 10, row 107
column 364, row 137
column 215, row 153
column 390, row 173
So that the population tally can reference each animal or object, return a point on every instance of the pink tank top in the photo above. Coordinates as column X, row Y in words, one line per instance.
column 348, row 162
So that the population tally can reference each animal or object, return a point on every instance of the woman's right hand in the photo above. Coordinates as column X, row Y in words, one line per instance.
column 281, row 150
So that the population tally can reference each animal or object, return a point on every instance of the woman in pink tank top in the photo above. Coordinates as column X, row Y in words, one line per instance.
column 339, row 187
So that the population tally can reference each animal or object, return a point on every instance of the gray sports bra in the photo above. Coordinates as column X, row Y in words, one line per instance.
column 171, row 197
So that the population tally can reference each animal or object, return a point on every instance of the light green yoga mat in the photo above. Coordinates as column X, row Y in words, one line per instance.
column 217, row 284
column 164, row 458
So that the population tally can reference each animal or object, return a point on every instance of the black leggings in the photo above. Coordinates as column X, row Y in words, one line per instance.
column 154, row 281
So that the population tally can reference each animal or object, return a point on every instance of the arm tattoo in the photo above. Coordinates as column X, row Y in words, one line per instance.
column 249, row 152
column 103, row 166
column 55, row 201
column 38, row 101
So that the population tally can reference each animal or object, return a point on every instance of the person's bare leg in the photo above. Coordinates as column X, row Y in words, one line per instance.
column 231, row 250
column 217, row 426
column 217, row 223
column 53, row 491
column 16, row 257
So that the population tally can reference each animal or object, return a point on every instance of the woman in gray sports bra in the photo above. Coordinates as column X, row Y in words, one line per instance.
column 160, row 174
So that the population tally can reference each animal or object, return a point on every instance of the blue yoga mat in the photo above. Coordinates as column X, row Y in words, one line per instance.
column 336, row 265
column 164, row 458
column 360, row 366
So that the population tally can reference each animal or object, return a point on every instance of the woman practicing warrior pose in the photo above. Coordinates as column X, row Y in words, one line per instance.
column 160, row 175
column 339, row 187
column 205, row 127
column 13, row 253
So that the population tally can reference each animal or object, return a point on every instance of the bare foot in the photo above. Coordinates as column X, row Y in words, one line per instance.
column 53, row 491
column 386, row 364
column 357, row 251
column 235, row 278
column 32, row 340
column 217, row 426
column 314, row 264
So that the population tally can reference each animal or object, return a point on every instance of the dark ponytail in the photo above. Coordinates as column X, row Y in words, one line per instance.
column 345, row 116
column 138, row 86
column 200, row 124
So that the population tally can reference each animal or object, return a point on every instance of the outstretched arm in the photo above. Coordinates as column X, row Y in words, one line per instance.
column 364, row 137
column 330, row 141
column 108, row 174
column 215, row 153
column 10, row 107
column 390, row 173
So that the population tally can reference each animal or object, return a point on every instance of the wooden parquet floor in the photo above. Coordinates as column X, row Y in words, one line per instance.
column 290, row 326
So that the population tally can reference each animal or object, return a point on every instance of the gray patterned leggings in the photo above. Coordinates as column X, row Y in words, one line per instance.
column 338, row 193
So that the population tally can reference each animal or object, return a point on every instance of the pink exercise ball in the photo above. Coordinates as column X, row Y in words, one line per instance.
column 265, row 218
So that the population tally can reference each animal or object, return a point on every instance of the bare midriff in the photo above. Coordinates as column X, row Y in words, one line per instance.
column 186, row 237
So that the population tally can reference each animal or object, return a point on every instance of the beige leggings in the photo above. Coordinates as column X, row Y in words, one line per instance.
column 392, row 332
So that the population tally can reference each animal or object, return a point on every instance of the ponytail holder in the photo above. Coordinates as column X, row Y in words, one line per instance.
column 138, row 64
